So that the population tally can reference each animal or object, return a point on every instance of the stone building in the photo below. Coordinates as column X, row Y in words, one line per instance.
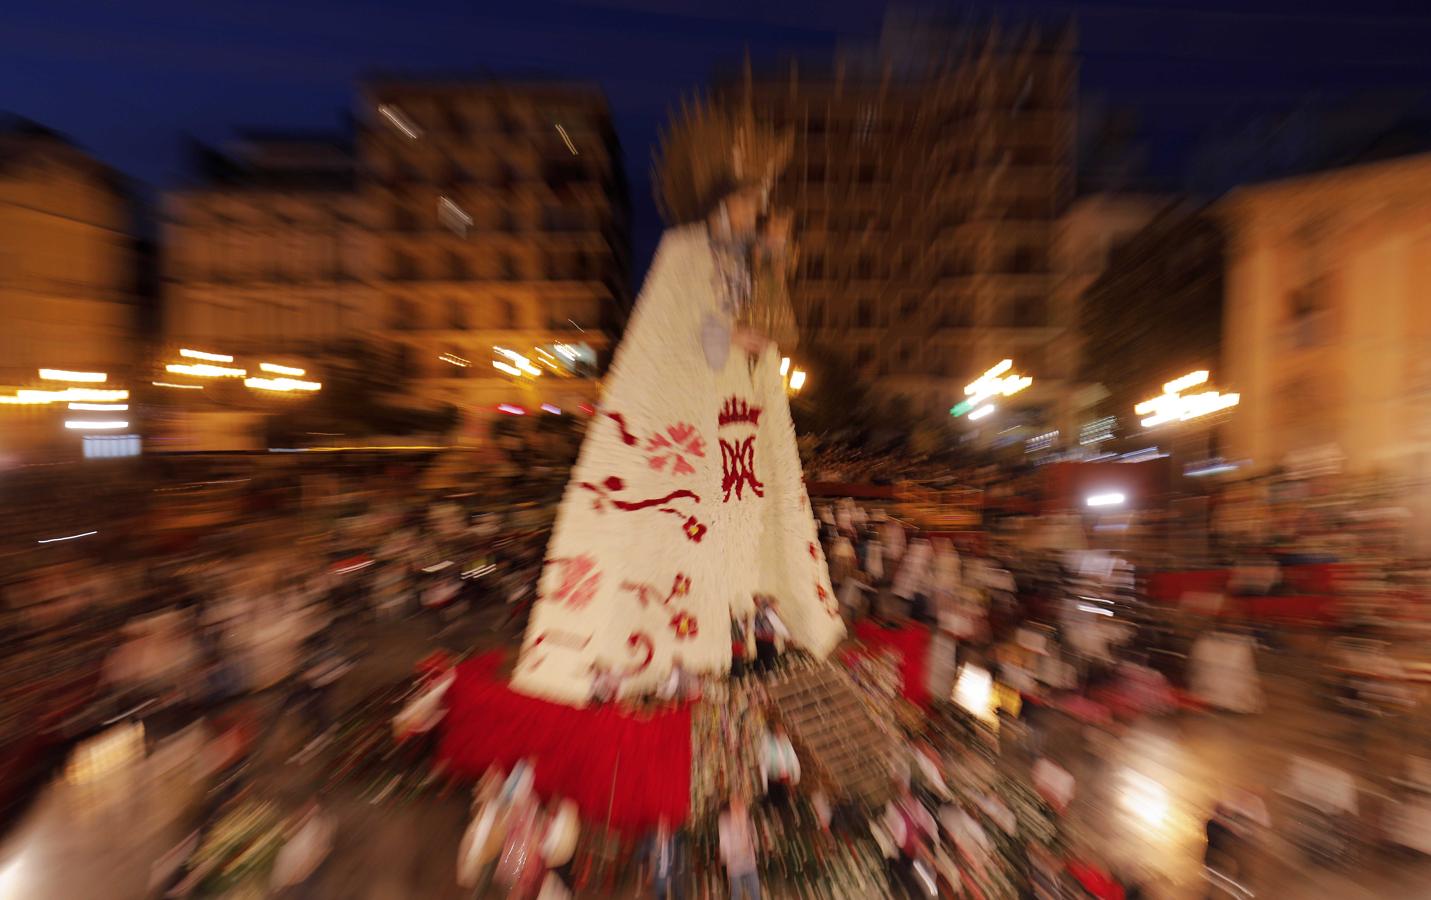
column 69, row 283
column 500, row 231
column 927, row 180
column 463, row 224
column 1326, row 325
column 271, row 251
column 68, row 266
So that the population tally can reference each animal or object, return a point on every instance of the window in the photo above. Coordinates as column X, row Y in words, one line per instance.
column 404, row 267
column 864, row 357
column 954, row 315
column 404, row 314
column 909, row 308
column 1309, row 314
column 456, row 314
column 457, row 266
column 508, row 267
column 456, row 122
column 815, row 315
column 1025, row 261
column 457, row 173
column 507, row 314
column 1029, row 312
column 864, row 315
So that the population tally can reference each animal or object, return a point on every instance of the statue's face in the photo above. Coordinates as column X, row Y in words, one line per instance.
column 742, row 211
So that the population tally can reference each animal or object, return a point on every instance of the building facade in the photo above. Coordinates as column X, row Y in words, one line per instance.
column 69, row 280
column 1326, row 326
column 68, row 264
column 466, row 223
column 927, row 179
column 271, row 253
column 500, row 231
column 1154, row 310
column 1089, row 232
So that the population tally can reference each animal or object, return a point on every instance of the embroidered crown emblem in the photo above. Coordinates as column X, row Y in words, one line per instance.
column 736, row 410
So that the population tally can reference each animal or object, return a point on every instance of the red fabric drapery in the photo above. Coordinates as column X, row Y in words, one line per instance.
column 639, row 768
column 911, row 644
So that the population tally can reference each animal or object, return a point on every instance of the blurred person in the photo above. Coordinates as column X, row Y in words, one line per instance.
column 665, row 858
column 741, row 645
column 312, row 692
column 911, row 828
column 911, row 582
column 1223, row 671
column 872, row 557
column 309, row 841
column 944, row 575
column 851, row 596
column 559, row 843
column 769, row 632
column 483, row 838
column 680, row 685
column 605, row 684
column 779, row 765
column 738, row 850
column 892, row 540
column 842, row 558
column 1054, row 783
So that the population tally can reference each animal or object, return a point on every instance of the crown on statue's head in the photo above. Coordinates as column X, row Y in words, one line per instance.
column 736, row 410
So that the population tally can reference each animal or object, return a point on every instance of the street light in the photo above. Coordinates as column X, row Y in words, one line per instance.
column 998, row 381
column 1172, row 405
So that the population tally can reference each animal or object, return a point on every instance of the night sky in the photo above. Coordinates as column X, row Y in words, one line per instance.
column 130, row 80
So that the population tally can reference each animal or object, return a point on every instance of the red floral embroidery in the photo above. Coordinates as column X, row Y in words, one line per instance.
column 579, row 580
column 813, row 554
column 694, row 530
column 678, row 442
column 684, row 625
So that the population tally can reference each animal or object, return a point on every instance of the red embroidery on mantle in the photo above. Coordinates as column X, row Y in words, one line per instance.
column 649, row 593
column 737, row 462
column 606, row 488
column 579, row 580
column 673, row 446
column 694, row 529
column 736, row 411
column 531, row 660
column 684, row 625
column 642, row 640
column 561, row 639
column 627, row 437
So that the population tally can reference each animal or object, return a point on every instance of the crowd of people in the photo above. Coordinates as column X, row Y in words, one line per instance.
column 1035, row 661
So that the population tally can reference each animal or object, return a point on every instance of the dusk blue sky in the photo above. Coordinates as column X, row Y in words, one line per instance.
column 131, row 80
